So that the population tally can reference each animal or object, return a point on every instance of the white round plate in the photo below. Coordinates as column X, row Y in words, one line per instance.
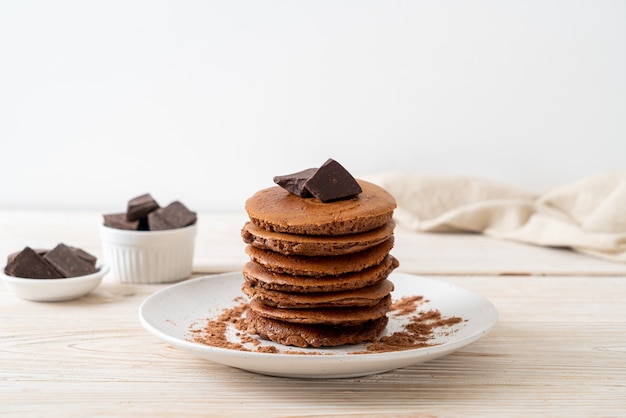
column 170, row 313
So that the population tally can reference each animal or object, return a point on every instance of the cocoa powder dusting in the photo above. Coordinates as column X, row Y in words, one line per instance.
column 406, row 305
column 419, row 330
column 417, row 333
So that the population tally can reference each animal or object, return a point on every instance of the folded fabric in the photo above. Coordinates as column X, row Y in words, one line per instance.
column 588, row 216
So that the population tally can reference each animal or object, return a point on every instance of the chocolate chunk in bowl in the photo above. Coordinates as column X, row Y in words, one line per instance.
column 156, row 248
column 119, row 221
column 174, row 215
column 139, row 207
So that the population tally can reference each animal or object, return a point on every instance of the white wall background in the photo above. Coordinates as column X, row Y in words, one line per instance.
column 205, row 101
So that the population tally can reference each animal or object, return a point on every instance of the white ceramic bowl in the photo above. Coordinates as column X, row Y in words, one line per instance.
column 149, row 256
column 55, row 290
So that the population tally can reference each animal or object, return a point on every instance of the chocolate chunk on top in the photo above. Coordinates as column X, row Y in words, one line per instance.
column 119, row 221
column 29, row 263
column 69, row 262
column 139, row 207
column 294, row 183
column 175, row 215
column 332, row 182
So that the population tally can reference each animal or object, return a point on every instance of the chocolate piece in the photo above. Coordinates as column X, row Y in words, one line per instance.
column 332, row 182
column 68, row 262
column 30, row 264
column 175, row 215
column 119, row 221
column 157, row 222
column 139, row 207
column 143, row 225
column 90, row 258
column 294, row 183
column 13, row 255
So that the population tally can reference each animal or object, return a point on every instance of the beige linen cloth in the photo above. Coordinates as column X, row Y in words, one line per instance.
column 588, row 216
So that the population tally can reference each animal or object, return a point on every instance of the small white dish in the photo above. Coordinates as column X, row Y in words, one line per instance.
column 170, row 314
column 54, row 290
column 149, row 257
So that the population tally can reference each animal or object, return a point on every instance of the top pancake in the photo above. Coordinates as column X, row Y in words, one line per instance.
column 275, row 209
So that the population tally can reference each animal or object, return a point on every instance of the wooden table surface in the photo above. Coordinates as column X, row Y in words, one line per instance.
column 559, row 348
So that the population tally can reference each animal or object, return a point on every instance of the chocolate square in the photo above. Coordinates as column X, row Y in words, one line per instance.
column 143, row 224
column 175, row 215
column 69, row 262
column 37, row 250
column 90, row 258
column 139, row 207
column 332, row 182
column 30, row 264
column 119, row 221
column 294, row 183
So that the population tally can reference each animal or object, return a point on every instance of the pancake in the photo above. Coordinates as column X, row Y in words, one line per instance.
column 262, row 277
column 275, row 209
column 313, row 335
column 315, row 245
column 332, row 316
column 317, row 266
column 364, row 296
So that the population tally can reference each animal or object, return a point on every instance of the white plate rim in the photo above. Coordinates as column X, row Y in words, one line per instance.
column 305, row 365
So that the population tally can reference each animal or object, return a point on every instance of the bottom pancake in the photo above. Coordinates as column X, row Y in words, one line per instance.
column 313, row 335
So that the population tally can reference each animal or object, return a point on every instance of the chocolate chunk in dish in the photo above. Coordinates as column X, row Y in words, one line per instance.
column 119, row 221
column 69, row 262
column 174, row 215
column 332, row 182
column 90, row 258
column 139, row 207
column 294, row 183
column 29, row 263
column 37, row 250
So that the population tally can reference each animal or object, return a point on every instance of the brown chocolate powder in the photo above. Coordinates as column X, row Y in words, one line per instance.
column 420, row 330
column 407, row 305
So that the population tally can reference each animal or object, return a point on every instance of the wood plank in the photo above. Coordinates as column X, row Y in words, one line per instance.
column 475, row 254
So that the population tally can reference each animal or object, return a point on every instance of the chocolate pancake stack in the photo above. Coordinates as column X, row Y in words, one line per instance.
column 319, row 246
